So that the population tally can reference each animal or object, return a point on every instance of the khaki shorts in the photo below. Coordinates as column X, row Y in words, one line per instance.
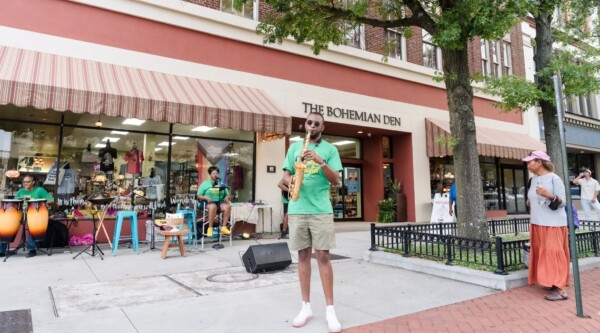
column 314, row 231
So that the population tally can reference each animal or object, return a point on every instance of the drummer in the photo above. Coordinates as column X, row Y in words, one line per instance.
column 29, row 191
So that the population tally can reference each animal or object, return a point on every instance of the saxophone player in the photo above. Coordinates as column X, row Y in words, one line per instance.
column 310, row 217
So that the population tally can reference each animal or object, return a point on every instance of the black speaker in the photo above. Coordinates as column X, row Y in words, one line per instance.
column 267, row 257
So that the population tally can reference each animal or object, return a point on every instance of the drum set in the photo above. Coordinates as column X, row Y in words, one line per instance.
column 12, row 217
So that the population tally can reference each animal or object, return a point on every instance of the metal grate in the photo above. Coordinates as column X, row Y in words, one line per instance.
column 17, row 321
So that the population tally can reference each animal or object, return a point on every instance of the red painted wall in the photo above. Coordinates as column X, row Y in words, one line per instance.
column 85, row 23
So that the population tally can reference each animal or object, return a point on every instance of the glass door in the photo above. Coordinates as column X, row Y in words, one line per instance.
column 513, row 191
column 347, row 199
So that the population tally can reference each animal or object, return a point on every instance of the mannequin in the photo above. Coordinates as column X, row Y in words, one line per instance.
column 107, row 157
column 154, row 192
column 134, row 157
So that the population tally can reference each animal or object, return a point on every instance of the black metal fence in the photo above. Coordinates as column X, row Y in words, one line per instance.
column 438, row 241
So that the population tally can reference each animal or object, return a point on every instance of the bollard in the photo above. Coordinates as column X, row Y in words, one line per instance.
column 499, row 257
column 373, row 246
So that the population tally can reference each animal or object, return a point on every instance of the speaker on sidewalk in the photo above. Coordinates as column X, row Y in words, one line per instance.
column 267, row 257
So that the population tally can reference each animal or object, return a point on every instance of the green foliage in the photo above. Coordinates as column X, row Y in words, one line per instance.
column 396, row 186
column 515, row 92
column 450, row 141
column 387, row 211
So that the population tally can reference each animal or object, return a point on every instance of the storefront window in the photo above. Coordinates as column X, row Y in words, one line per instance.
column 441, row 174
column 346, row 146
column 124, row 160
column 387, row 146
column 577, row 162
column 30, row 149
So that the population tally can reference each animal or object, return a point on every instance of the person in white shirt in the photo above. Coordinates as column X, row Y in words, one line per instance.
column 589, row 193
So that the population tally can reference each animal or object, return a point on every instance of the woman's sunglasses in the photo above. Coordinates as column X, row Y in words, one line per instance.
column 311, row 122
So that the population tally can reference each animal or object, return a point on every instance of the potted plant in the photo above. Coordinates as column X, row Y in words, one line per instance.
column 396, row 187
column 387, row 211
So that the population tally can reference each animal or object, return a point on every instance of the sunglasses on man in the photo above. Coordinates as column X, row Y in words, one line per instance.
column 311, row 122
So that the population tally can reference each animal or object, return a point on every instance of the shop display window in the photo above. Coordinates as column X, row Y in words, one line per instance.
column 122, row 159
column 346, row 146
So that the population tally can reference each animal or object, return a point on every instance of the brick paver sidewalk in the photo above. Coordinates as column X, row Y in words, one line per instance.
column 517, row 310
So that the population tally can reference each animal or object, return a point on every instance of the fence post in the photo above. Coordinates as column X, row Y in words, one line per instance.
column 493, row 223
column 407, row 234
column 373, row 246
column 595, row 242
column 441, row 228
column 499, row 257
column 448, row 244
column 515, row 226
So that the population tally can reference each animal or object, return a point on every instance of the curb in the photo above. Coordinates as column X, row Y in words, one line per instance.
column 458, row 273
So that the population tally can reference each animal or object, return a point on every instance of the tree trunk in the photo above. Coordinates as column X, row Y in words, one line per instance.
column 469, row 189
column 543, row 42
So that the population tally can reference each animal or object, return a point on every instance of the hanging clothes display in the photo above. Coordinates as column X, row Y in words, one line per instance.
column 107, row 158
column 134, row 158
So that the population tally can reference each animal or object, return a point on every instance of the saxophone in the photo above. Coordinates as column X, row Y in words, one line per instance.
column 300, row 166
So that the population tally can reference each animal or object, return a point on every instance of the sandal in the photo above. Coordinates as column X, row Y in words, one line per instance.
column 556, row 297
column 553, row 288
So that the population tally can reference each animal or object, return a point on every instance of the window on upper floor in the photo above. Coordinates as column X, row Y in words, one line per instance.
column 495, row 53
column 250, row 9
column 583, row 105
column 396, row 43
column 507, row 59
column 355, row 35
column 432, row 56
column 485, row 57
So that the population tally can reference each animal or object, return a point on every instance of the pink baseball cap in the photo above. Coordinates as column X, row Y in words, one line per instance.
column 536, row 155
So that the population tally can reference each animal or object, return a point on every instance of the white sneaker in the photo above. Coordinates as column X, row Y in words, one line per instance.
column 303, row 316
column 332, row 322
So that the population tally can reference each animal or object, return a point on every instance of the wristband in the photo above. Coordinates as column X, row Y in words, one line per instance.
column 323, row 164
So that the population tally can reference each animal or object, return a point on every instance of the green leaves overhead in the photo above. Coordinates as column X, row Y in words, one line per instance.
column 451, row 23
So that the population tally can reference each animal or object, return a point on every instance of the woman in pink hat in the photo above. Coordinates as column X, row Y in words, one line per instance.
column 549, row 258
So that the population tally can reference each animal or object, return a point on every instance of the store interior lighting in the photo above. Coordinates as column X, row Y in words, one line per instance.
column 202, row 129
column 133, row 121
column 98, row 122
column 182, row 138
column 119, row 132
column 111, row 139
column 343, row 142
column 166, row 143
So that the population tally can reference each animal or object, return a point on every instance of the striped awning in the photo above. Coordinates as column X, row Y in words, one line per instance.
column 49, row 81
column 490, row 142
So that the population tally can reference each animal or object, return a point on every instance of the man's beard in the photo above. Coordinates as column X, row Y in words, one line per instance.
column 314, row 136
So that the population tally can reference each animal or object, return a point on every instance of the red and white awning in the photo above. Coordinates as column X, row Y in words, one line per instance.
column 49, row 81
column 490, row 142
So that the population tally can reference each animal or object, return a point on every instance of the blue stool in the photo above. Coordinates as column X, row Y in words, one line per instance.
column 134, row 230
column 190, row 216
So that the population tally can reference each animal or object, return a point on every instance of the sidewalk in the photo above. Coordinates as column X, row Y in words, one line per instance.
column 517, row 310
column 211, row 292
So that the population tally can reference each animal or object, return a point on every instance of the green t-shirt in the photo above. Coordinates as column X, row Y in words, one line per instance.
column 214, row 193
column 36, row 193
column 314, row 194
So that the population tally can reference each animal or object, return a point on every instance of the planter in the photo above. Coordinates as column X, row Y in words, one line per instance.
column 401, row 211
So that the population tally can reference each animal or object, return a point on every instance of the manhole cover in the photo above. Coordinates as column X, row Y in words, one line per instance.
column 232, row 277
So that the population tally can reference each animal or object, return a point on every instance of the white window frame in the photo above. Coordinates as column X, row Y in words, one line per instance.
column 399, row 44
column 229, row 9
column 495, row 52
column 437, row 56
column 351, row 35
column 507, row 58
column 485, row 57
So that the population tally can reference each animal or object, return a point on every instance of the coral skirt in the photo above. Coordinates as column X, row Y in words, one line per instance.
column 549, row 258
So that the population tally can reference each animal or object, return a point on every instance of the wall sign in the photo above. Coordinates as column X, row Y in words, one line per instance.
column 341, row 113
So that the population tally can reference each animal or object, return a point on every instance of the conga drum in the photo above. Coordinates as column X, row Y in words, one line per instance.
column 11, row 213
column 37, row 218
